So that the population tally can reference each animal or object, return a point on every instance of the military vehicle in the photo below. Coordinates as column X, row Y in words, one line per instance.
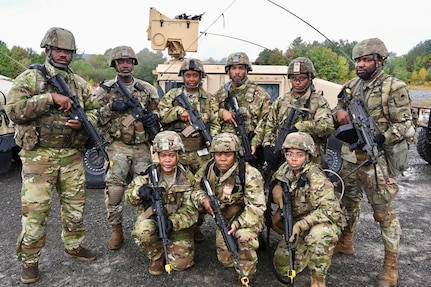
column 8, row 147
column 423, row 133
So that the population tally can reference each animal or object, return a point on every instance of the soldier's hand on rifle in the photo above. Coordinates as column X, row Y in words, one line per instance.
column 343, row 117
column 169, row 226
column 207, row 205
column 64, row 103
column 145, row 192
column 118, row 106
column 74, row 124
column 295, row 232
column 229, row 117
column 185, row 117
column 380, row 139
column 232, row 229
column 150, row 120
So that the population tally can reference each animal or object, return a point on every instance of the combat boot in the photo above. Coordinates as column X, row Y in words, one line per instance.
column 249, row 277
column 389, row 276
column 198, row 235
column 80, row 253
column 116, row 239
column 29, row 273
column 317, row 281
column 156, row 266
column 345, row 243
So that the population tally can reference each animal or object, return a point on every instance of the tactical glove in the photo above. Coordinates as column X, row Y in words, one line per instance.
column 169, row 226
column 145, row 192
column 268, row 153
column 118, row 106
column 150, row 120
column 379, row 139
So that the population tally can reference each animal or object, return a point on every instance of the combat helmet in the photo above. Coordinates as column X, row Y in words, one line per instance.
column 193, row 65
column 300, row 140
column 59, row 38
column 369, row 47
column 122, row 52
column 238, row 58
column 301, row 65
column 167, row 141
column 225, row 142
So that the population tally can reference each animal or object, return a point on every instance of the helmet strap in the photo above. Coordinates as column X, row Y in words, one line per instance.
column 48, row 52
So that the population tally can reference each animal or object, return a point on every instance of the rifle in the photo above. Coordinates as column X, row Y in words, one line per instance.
column 138, row 112
column 359, row 133
column 282, row 134
column 240, row 130
column 195, row 116
column 157, row 207
column 288, row 227
column 228, row 238
column 78, row 113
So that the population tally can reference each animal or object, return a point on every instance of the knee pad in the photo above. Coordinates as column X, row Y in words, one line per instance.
column 115, row 194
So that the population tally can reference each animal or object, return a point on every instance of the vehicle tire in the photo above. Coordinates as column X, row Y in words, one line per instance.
column 423, row 144
column 95, row 168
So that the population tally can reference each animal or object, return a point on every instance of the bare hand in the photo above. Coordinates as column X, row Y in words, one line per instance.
column 233, row 229
column 207, row 205
column 343, row 117
column 229, row 117
column 74, row 124
column 185, row 117
column 64, row 102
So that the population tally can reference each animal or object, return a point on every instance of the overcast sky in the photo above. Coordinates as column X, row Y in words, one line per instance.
column 100, row 25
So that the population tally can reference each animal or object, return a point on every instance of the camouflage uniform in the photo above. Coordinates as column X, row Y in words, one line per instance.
column 388, row 103
column 316, row 120
column 241, row 204
column 128, row 140
column 51, row 157
column 178, row 207
column 254, row 102
column 196, row 152
column 315, row 208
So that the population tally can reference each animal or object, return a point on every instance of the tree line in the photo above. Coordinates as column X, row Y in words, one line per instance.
column 331, row 60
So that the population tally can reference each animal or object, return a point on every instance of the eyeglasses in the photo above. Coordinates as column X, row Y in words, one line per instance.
column 298, row 79
column 297, row 155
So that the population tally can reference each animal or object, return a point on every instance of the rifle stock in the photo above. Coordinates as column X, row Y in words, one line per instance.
column 228, row 238
column 195, row 117
column 157, row 207
column 78, row 113
column 240, row 130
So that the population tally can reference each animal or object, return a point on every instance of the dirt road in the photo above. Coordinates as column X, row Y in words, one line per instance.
column 129, row 267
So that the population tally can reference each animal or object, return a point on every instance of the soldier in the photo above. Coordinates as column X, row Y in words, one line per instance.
column 316, row 210
column 175, row 117
column 313, row 109
column 239, row 188
column 176, row 183
column 388, row 102
column 51, row 144
column 254, row 102
column 129, row 139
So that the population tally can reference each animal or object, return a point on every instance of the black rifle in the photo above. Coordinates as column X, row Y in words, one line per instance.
column 288, row 227
column 240, row 130
column 228, row 238
column 137, row 111
column 78, row 113
column 282, row 134
column 359, row 133
column 195, row 117
column 157, row 207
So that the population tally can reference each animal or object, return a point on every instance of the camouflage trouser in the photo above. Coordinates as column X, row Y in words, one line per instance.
column 248, row 243
column 379, row 195
column 181, row 249
column 195, row 162
column 314, row 250
column 126, row 160
column 43, row 171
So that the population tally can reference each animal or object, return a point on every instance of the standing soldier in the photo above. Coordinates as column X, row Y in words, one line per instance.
column 253, row 101
column 313, row 114
column 176, row 117
column 387, row 101
column 176, row 184
column 316, row 213
column 238, row 187
column 129, row 139
column 51, row 151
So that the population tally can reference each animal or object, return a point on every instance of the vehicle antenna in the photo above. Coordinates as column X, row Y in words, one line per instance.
column 235, row 38
column 13, row 60
column 347, row 56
